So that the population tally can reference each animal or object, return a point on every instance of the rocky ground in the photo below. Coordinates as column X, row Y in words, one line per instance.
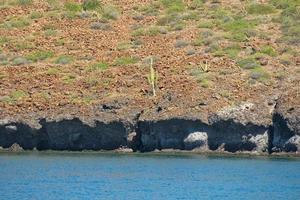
column 76, row 75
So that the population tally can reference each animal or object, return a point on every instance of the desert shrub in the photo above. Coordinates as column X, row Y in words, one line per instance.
column 150, row 31
column 100, row 26
column 238, row 25
column 72, row 6
column 19, row 61
column 3, row 40
column 190, row 52
column 150, row 10
column 202, row 77
column 260, row 9
column 36, row 15
column 283, row 4
column 69, row 78
column 196, row 4
column 17, row 95
column 91, row 4
column 99, row 66
column 268, row 50
column 24, row 2
column 173, row 6
column 206, row 24
column 54, row 4
column 259, row 74
column 39, row 55
column 248, row 63
column 3, row 59
column 52, row 71
column 16, row 23
column 63, row 60
column 24, row 45
column 289, row 19
column 181, row 44
column 232, row 51
column 125, row 60
column 110, row 13
column 238, row 29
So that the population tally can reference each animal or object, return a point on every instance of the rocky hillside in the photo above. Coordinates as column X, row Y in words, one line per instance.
column 202, row 75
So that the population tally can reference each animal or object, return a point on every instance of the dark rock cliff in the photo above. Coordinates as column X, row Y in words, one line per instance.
column 246, row 127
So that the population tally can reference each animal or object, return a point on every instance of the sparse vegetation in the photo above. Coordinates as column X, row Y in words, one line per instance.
column 36, row 15
column 20, row 22
column 72, row 6
column 91, row 5
column 181, row 44
column 238, row 29
column 202, row 74
column 15, row 96
column 289, row 19
column 39, row 55
column 173, row 6
column 68, row 78
column 268, row 50
column 17, row 61
column 110, row 12
column 204, row 50
column 52, row 71
column 24, row 2
column 260, row 9
column 248, row 63
column 64, row 60
column 99, row 66
column 100, row 26
column 125, row 60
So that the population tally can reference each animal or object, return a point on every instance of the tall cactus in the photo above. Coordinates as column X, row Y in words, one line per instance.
column 153, row 78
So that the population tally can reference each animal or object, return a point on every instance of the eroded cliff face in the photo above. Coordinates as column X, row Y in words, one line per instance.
column 175, row 133
column 68, row 134
column 246, row 127
column 286, row 123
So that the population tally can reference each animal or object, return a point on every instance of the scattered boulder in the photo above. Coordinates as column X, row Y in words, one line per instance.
column 196, row 140
column 15, row 148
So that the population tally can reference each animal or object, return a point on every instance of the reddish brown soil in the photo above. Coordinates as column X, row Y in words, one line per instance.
column 178, row 91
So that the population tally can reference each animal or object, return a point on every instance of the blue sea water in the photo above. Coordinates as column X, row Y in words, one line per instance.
column 145, row 176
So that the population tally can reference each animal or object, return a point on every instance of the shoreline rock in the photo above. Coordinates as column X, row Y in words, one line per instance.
column 246, row 127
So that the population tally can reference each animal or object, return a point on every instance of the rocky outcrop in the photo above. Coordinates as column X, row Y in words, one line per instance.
column 18, row 133
column 178, row 133
column 286, row 120
column 247, row 127
column 232, row 129
column 65, row 134
column 240, row 128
